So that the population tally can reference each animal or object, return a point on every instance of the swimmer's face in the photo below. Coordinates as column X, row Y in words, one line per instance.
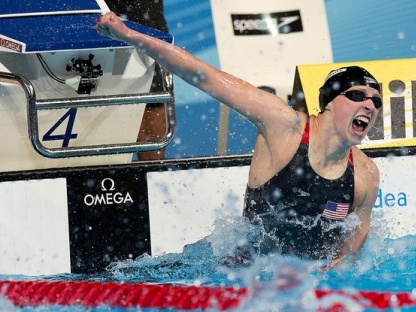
column 355, row 112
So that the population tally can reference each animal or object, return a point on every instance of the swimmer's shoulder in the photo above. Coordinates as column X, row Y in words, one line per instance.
column 364, row 166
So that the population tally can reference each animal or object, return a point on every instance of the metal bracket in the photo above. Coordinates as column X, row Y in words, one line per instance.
column 34, row 105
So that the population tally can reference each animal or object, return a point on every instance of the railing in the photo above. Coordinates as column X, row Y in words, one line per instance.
column 33, row 106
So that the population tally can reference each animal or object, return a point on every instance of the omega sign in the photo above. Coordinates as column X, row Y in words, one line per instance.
column 109, row 195
column 10, row 45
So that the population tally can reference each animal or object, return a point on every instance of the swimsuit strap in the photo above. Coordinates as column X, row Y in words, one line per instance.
column 305, row 135
column 305, row 140
column 350, row 158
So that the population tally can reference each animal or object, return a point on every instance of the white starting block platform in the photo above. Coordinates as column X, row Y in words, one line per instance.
column 68, row 91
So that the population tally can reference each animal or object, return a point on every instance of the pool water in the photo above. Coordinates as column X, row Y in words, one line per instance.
column 274, row 282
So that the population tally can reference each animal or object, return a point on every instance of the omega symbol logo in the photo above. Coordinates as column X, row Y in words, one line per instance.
column 109, row 195
column 107, row 186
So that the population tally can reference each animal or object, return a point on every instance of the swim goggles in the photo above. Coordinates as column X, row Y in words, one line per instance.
column 359, row 96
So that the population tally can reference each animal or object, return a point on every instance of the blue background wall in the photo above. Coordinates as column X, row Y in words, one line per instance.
column 360, row 30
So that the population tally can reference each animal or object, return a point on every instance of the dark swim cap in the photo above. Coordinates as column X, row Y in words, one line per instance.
column 342, row 79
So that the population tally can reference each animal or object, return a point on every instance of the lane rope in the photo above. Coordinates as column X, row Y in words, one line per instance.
column 166, row 296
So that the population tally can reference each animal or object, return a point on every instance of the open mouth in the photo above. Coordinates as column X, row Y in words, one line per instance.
column 360, row 123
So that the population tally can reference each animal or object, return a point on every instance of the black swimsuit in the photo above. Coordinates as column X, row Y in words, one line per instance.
column 301, row 212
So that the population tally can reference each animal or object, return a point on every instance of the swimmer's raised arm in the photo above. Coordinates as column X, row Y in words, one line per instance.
column 260, row 107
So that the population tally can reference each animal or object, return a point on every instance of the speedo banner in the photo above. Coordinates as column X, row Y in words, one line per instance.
column 263, row 41
column 395, row 126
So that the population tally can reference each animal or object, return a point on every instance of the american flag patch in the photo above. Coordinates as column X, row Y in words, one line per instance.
column 335, row 211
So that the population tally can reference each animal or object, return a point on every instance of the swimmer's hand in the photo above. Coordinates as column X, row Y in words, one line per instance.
column 333, row 264
column 111, row 26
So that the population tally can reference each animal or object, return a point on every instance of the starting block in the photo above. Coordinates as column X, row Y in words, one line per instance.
column 67, row 92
